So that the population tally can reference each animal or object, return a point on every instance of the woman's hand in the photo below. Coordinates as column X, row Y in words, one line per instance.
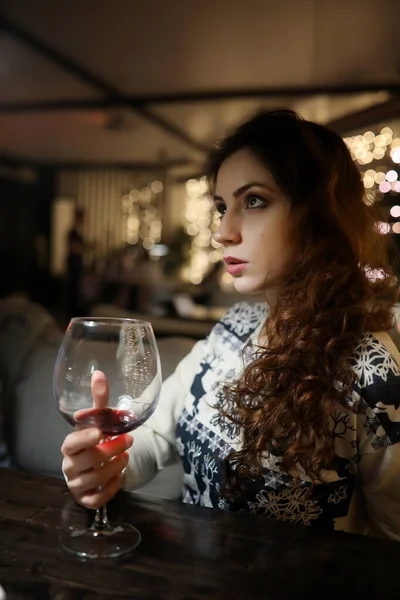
column 87, row 464
column 94, row 471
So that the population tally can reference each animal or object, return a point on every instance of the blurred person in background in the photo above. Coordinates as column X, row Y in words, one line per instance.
column 75, row 254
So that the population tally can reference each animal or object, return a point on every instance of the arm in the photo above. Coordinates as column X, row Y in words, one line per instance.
column 154, row 442
column 380, row 474
column 93, row 471
column 87, row 464
column 378, row 435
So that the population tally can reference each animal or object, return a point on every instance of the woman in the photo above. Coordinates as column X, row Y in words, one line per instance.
column 290, row 408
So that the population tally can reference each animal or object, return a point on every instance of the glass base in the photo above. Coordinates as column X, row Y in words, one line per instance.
column 101, row 543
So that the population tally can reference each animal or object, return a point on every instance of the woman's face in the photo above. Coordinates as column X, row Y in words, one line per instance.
column 254, row 227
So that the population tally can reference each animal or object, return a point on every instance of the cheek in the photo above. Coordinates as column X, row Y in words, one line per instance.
column 268, row 228
column 270, row 234
column 270, row 241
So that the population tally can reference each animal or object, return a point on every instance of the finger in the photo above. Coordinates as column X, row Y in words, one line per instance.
column 100, row 389
column 94, row 457
column 107, row 450
column 100, row 498
column 77, row 441
column 90, row 480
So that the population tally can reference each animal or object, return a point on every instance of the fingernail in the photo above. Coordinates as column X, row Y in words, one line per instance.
column 130, row 441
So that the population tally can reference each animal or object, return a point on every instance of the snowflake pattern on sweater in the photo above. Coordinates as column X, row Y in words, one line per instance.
column 368, row 421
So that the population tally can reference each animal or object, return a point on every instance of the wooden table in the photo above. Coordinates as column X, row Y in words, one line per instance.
column 187, row 553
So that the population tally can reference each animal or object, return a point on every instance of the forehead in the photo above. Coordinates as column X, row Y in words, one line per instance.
column 241, row 168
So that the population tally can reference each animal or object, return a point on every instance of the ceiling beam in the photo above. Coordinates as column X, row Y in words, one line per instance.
column 126, row 166
column 269, row 92
column 209, row 96
column 13, row 160
column 8, row 159
column 366, row 117
column 58, row 106
column 93, row 80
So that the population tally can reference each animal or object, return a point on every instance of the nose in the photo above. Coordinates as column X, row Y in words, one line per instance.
column 229, row 230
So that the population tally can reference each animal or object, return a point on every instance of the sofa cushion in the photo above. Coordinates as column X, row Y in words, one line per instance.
column 22, row 323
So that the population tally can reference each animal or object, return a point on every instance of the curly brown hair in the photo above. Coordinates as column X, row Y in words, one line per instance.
column 328, row 297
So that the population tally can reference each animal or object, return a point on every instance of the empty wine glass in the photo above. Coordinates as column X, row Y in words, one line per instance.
column 125, row 350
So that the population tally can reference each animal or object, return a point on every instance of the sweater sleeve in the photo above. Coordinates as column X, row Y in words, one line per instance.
column 379, row 438
column 380, row 473
column 154, row 441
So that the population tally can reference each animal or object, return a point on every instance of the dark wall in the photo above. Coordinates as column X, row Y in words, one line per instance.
column 25, row 207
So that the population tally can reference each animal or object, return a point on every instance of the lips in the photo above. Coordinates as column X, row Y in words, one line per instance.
column 234, row 265
column 231, row 260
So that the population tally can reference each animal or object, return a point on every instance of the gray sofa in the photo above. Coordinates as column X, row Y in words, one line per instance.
column 33, row 427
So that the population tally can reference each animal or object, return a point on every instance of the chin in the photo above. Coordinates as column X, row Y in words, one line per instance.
column 244, row 285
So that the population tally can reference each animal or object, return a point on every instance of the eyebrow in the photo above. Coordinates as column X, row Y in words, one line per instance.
column 244, row 189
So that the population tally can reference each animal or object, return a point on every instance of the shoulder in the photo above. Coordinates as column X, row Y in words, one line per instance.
column 243, row 318
column 376, row 362
column 236, row 326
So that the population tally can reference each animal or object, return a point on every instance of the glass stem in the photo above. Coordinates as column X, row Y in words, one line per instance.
column 100, row 522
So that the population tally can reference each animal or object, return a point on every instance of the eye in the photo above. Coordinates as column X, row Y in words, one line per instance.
column 253, row 201
column 220, row 209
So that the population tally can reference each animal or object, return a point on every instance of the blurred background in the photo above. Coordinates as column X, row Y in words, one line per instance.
column 107, row 111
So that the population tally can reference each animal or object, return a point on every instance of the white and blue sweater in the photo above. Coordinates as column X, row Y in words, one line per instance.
column 361, row 493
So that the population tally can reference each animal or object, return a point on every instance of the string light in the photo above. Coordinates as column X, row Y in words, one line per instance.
column 392, row 176
column 141, row 220
column 382, row 227
column 395, row 155
column 156, row 187
column 381, row 146
column 395, row 211
column 385, row 187
column 380, row 178
column 200, row 224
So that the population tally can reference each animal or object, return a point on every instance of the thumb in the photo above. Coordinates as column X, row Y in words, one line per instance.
column 100, row 389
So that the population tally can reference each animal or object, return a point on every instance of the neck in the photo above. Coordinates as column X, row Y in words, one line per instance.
column 271, row 297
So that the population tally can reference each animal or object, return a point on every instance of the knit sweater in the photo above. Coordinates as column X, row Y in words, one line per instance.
column 361, row 491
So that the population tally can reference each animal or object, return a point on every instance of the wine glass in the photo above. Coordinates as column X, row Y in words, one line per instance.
column 125, row 350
